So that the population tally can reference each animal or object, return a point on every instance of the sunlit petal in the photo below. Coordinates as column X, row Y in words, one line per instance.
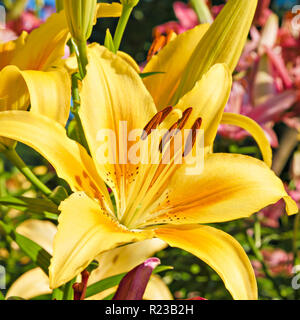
column 254, row 129
column 221, row 252
column 85, row 230
column 230, row 187
column 41, row 232
column 31, row 284
column 49, row 138
column 49, row 93
column 172, row 61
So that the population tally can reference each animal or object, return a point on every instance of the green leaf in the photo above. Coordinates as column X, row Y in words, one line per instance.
column 35, row 252
column 58, row 195
column 108, row 42
column 148, row 74
column 1, row 296
column 58, row 293
column 114, row 281
column 45, row 208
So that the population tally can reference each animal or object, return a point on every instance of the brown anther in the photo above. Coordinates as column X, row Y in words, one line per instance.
column 159, row 42
column 168, row 135
column 192, row 137
column 165, row 113
column 185, row 116
column 177, row 125
column 155, row 122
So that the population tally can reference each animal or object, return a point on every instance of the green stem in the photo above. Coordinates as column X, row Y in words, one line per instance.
column 68, row 290
column 260, row 258
column 14, row 158
column 75, row 110
column 76, row 96
column 202, row 11
column 126, row 12
column 295, row 238
column 58, row 294
column 80, row 49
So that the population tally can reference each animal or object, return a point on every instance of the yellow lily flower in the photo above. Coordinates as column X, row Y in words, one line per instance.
column 153, row 201
column 31, row 72
column 35, row 282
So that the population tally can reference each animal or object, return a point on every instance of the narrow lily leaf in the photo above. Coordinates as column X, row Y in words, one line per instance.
column 35, row 252
column 58, row 195
column 58, row 294
column 148, row 74
column 114, row 281
column 108, row 42
column 1, row 296
column 133, row 285
column 43, row 207
column 222, row 43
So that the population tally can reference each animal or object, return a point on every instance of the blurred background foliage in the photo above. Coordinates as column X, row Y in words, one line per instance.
column 190, row 276
column 150, row 13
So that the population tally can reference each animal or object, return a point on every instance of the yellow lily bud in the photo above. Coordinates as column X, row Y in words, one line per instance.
column 80, row 16
column 222, row 43
column 129, row 3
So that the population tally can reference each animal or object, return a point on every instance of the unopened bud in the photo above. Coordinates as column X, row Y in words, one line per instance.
column 80, row 16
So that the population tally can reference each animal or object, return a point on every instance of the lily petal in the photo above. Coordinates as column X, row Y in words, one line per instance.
column 44, row 45
column 49, row 93
column 157, row 289
column 125, row 258
column 254, row 129
column 40, row 231
column 230, row 187
column 109, row 10
column 222, row 43
column 31, row 284
column 208, row 99
column 113, row 92
column 84, row 231
column 172, row 61
column 49, row 138
column 221, row 252
column 9, row 49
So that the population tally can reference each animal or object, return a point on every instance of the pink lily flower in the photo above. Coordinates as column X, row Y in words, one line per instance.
column 187, row 19
column 278, row 262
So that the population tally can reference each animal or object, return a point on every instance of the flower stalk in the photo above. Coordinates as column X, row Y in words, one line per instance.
column 202, row 11
column 126, row 12
column 16, row 160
